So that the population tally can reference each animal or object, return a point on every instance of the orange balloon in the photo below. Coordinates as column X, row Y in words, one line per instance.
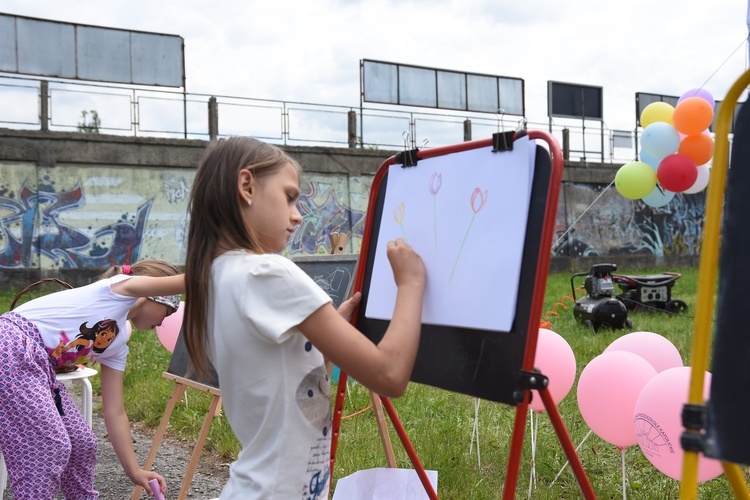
column 699, row 147
column 692, row 116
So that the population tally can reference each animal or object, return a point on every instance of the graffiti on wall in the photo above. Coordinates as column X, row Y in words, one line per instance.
column 328, row 204
column 107, row 217
column 595, row 220
column 93, row 218
column 33, row 228
column 71, row 216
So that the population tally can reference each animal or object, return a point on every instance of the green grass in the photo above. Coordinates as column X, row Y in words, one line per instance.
column 440, row 423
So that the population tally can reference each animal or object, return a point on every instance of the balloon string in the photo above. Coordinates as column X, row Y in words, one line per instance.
column 566, row 463
column 624, row 476
column 744, row 42
column 533, row 431
column 554, row 246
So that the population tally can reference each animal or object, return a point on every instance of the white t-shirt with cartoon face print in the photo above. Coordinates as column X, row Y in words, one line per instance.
column 273, row 381
column 84, row 324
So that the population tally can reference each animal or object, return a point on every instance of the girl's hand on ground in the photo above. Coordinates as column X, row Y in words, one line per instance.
column 143, row 477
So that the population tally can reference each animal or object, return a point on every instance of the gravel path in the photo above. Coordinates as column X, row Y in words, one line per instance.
column 171, row 462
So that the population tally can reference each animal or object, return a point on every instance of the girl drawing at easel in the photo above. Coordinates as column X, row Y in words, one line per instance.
column 268, row 328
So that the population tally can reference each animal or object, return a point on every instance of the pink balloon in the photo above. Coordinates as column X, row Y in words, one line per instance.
column 652, row 347
column 607, row 391
column 169, row 329
column 658, row 423
column 555, row 359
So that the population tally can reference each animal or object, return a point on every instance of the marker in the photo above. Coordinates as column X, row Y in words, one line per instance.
column 154, row 483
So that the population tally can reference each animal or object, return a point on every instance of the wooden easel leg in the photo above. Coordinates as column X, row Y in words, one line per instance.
column 193, row 464
column 409, row 448
column 178, row 391
column 377, row 406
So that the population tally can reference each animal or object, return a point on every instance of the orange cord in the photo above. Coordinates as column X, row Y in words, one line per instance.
column 357, row 412
column 553, row 312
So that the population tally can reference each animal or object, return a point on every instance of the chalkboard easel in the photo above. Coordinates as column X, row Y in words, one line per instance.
column 485, row 354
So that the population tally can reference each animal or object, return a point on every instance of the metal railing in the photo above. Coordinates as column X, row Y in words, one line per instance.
column 28, row 103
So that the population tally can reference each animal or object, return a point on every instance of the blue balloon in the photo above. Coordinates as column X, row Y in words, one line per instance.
column 660, row 139
column 658, row 197
column 650, row 160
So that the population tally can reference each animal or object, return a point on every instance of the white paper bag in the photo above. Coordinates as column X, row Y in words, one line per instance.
column 384, row 484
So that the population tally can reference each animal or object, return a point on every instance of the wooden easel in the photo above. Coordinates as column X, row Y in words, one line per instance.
column 214, row 410
column 338, row 242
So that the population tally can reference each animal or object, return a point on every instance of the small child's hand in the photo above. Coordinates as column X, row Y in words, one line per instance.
column 144, row 476
column 347, row 308
column 407, row 265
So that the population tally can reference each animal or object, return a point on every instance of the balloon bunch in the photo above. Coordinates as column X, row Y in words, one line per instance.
column 634, row 393
column 676, row 147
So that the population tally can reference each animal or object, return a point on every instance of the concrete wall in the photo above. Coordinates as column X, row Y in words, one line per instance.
column 73, row 203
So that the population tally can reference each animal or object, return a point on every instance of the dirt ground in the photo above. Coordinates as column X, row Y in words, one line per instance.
column 171, row 462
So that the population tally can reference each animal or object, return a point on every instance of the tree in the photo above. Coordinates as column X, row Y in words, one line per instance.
column 89, row 126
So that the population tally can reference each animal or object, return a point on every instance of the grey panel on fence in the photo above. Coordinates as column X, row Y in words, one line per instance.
column 8, row 60
column 333, row 273
column 64, row 50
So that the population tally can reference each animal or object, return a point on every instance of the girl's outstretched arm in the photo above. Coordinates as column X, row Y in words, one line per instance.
column 144, row 286
column 384, row 368
column 118, row 429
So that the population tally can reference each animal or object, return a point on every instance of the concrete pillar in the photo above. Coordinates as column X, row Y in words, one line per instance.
column 467, row 130
column 213, row 118
column 44, row 105
column 352, row 128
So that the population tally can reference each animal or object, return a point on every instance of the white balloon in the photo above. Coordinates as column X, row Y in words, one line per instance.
column 704, row 174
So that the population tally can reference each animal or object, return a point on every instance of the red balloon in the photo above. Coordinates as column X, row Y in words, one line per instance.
column 677, row 173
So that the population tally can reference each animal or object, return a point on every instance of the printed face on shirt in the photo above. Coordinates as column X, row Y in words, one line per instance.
column 274, row 214
column 103, row 338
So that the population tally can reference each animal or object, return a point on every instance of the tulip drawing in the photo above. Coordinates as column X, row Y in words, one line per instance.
column 478, row 200
column 398, row 216
column 436, row 180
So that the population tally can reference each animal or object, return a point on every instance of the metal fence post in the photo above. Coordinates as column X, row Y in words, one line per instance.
column 44, row 105
column 351, row 128
column 566, row 144
column 467, row 130
column 213, row 118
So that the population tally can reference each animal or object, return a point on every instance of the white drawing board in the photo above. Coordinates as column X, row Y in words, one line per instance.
column 465, row 213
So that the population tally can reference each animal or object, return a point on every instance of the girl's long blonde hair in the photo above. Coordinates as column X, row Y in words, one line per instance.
column 215, row 210
column 145, row 267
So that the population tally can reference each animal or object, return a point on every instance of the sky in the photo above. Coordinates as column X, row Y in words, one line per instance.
column 309, row 51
